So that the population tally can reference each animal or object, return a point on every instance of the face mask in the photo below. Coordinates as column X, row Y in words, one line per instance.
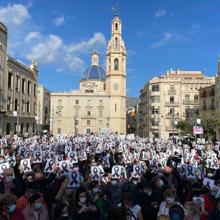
column 37, row 206
column 8, row 178
column 82, row 200
column 11, row 208
column 160, row 183
column 170, row 200
column 114, row 182
column 135, row 182
column 95, row 190
column 149, row 193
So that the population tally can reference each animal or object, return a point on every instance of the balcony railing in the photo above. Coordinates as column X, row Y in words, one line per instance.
column 171, row 92
column 172, row 104
column 211, row 107
column 169, row 128
column 191, row 102
column 172, row 115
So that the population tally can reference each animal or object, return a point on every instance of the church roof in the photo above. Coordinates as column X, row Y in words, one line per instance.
column 94, row 72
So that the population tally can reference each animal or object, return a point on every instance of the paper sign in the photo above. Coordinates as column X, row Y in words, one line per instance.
column 49, row 166
column 4, row 166
column 209, row 183
column 26, row 165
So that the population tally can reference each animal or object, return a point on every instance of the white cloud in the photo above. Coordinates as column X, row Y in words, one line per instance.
column 26, row 42
column 160, row 13
column 33, row 35
column 97, row 41
column 14, row 15
column 46, row 51
column 59, row 21
column 166, row 38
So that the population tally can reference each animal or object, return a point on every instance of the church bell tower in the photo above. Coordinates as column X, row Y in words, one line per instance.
column 116, row 78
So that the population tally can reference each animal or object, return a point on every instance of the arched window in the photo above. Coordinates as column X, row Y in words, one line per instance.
column 116, row 64
column 116, row 42
column 116, row 26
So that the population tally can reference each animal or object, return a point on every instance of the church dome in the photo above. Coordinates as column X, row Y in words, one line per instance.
column 95, row 71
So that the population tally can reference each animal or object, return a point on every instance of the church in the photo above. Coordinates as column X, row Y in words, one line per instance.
column 100, row 102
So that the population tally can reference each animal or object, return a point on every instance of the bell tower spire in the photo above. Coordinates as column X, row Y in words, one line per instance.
column 116, row 77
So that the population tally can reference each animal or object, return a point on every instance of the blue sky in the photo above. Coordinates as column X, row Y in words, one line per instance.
column 158, row 35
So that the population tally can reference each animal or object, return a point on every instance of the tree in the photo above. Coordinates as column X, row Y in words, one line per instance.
column 185, row 126
column 210, row 123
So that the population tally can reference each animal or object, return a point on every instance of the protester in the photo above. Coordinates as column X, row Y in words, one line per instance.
column 108, row 176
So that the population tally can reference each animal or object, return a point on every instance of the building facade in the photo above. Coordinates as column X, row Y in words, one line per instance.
column 43, row 109
column 207, row 101
column 167, row 99
column 17, row 92
column 100, row 102
column 217, row 98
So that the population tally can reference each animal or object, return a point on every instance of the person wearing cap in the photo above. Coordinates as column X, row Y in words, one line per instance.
column 215, row 213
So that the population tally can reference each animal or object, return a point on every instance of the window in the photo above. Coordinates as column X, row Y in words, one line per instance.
column 8, row 128
column 76, row 102
column 59, row 113
column 171, row 99
column 9, row 104
column 29, row 87
column 45, row 110
column 16, row 104
column 15, row 128
column 89, row 91
column 59, row 130
column 101, row 102
column 23, row 86
column 35, row 86
column 187, row 96
column 196, row 97
column 33, row 128
column 88, row 113
column 116, row 42
column 115, row 107
column 100, row 113
column 155, row 110
column 172, row 111
column 212, row 103
column 116, row 64
column 22, row 128
column 104, row 86
column 204, row 105
column 28, row 107
column 22, row 106
column 35, row 109
column 89, row 102
column 88, row 122
column 116, row 26
column 10, row 80
column 76, row 122
column 155, row 99
column 17, row 83
column 27, row 127
column 172, row 88
column 155, row 88
column 88, row 130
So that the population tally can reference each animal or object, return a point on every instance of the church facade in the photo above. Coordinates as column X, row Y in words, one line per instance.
column 100, row 102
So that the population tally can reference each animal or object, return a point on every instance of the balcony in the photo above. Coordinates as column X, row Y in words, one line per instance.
column 88, row 117
column 172, row 104
column 172, row 115
column 171, row 92
column 170, row 129
column 191, row 102
column 2, row 110
column 154, row 127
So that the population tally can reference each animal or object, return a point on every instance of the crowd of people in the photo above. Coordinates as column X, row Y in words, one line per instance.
column 101, row 177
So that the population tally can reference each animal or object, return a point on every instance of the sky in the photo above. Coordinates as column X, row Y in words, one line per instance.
column 158, row 35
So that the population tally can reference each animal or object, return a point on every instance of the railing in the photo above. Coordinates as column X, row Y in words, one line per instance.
column 168, row 128
column 191, row 102
column 171, row 92
column 211, row 107
column 172, row 104
column 88, row 117
column 172, row 115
